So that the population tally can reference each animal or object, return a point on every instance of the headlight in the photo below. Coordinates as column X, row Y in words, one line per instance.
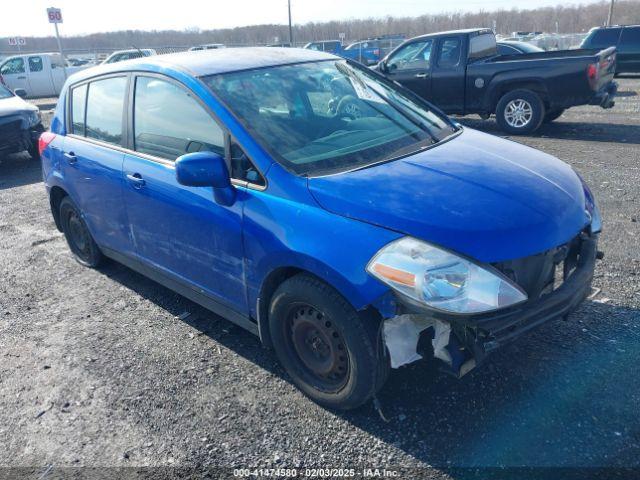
column 34, row 118
column 441, row 280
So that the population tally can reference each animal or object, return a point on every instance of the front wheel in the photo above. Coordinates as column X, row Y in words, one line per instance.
column 520, row 112
column 324, row 344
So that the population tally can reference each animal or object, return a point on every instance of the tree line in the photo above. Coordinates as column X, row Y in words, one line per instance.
column 562, row 18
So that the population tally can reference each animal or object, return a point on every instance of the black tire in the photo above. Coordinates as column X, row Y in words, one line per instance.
column 552, row 115
column 81, row 243
column 325, row 345
column 532, row 112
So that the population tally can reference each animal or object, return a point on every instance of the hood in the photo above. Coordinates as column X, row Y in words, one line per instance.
column 476, row 194
column 15, row 106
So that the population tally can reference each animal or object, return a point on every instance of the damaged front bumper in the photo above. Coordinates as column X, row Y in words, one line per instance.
column 463, row 342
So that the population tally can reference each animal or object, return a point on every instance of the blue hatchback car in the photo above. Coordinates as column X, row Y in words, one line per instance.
column 348, row 223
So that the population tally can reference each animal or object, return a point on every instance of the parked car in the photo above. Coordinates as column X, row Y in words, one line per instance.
column 461, row 72
column 329, row 46
column 20, row 124
column 516, row 48
column 208, row 46
column 339, row 221
column 121, row 55
column 37, row 74
column 626, row 39
column 371, row 51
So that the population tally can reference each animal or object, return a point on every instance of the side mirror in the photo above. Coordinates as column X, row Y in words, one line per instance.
column 21, row 92
column 206, row 169
column 390, row 68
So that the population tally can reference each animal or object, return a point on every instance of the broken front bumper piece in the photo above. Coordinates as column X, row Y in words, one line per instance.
column 464, row 341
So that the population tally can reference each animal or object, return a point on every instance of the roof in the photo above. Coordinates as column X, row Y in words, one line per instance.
column 464, row 31
column 210, row 62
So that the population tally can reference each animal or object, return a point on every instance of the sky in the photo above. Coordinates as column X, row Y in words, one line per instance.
column 28, row 17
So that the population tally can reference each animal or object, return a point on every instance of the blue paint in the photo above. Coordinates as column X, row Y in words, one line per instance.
column 481, row 196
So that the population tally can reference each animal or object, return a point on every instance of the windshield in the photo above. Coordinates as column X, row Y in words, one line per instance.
column 330, row 116
column 5, row 92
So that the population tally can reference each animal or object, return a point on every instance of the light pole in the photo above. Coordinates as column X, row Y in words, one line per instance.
column 610, row 14
column 290, row 28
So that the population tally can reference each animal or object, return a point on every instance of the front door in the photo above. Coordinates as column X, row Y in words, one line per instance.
column 448, row 77
column 411, row 66
column 14, row 74
column 180, row 230
column 93, row 156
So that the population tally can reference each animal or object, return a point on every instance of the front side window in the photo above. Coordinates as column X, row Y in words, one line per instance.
column 12, row 66
column 329, row 116
column 78, row 105
column 105, row 105
column 168, row 122
column 415, row 55
column 35, row 64
column 449, row 52
column 5, row 92
column 630, row 36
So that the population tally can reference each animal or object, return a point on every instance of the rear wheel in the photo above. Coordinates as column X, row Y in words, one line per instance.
column 552, row 115
column 324, row 344
column 84, row 248
column 520, row 112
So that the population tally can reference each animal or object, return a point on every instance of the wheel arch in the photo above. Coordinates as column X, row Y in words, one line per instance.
column 502, row 88
column 56, row 194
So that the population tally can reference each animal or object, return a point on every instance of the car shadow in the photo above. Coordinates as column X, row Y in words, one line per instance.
column 566, row 130
column 19, row 169
column 564, row 396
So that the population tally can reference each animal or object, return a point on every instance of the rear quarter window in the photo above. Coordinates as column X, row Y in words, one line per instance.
column 105, row 104
column 78, row 106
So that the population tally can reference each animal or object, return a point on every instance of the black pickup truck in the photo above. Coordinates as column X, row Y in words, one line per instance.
column 461, row 72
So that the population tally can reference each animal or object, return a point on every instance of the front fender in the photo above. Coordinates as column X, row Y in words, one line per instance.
column 280, row 233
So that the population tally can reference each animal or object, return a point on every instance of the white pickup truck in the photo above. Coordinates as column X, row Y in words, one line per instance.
column 38, row 74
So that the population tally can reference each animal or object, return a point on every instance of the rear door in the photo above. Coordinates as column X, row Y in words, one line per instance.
column 448, row 74
column 93, row 155
column 629, row 50
column 40, row 77
column 410, row 66
column 180, row 230
column 14, row 73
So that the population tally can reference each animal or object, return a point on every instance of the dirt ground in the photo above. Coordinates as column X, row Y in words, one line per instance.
column 98, row 368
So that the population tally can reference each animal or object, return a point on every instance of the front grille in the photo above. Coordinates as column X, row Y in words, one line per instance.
column 543, row 273
column 10, row 133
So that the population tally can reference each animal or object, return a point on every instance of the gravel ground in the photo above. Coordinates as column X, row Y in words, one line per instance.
column 98, row 368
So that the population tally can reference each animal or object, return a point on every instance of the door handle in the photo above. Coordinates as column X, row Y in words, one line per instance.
column 71, row 157
column 136, row 179
column 422, row 75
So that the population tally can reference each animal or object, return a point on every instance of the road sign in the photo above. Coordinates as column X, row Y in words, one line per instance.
column 17, row 41
column 54, row 15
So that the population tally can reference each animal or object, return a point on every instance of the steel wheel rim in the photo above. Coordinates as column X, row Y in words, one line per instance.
column 78, row 234
column 313, row 339
column 518, row 113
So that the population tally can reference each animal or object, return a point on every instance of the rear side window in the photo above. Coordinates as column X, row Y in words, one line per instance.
column 169, row 122
column 105, row 104
column 35, row 64
column 630, row 36
column 607, row 37
column 482, row 46
column 78, row 105
column 449, row 53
